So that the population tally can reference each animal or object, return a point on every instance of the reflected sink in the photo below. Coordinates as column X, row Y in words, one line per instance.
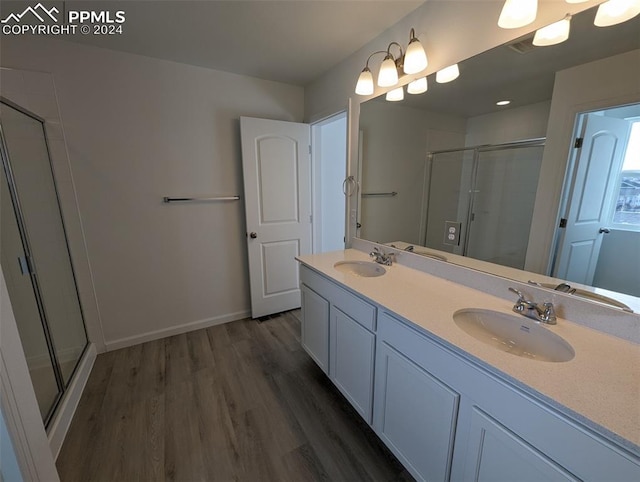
column 364, row 269
column 513, row 334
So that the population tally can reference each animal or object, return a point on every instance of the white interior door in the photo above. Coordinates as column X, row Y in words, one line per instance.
column 597, row 166
column 276, row 164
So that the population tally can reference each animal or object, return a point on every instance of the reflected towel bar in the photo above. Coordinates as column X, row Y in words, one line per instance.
column 379, row 194
column 167, row 199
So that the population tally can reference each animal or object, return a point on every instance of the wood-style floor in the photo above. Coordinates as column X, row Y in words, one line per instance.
column 240, row 401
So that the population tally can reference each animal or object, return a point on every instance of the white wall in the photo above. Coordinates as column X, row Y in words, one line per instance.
column 618, row 267
column 138, row 129
column 330, row 158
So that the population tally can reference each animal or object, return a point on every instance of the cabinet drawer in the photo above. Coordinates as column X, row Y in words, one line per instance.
column 358, row 309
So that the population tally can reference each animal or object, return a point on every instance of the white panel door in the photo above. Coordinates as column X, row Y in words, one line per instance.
column 276, row 164
column 597, row 167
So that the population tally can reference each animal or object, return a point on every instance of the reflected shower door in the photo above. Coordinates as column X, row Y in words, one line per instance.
column 449, row 186
column 505, row 187
column 31, row 184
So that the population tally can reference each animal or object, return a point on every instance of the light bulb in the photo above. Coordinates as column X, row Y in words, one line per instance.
column 447, row 74
column 395, row 95
column 415, row 59
column 388, row 75
column 417, row 86
column 553, row 34
column 616, row 11
column 365, row 82
column 518, row 13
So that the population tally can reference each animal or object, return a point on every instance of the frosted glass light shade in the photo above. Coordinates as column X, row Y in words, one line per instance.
column 418, row 86
column 395, row 95
column 553, row 34
column 616, row 11
column 447, row 74
column 365, row 82
column 518, row 13
column 388, row 75
column 415, row 58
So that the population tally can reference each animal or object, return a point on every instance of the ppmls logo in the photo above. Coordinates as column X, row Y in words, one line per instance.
column 40, row 20
column 40, row 12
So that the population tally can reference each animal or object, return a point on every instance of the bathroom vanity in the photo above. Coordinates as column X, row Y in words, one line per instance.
column 452, row 407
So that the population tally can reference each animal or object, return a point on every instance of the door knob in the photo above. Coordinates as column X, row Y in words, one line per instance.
column 253, row 235
column 604, row 230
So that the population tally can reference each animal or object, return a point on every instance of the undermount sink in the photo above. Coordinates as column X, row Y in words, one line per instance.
column 364, row 269
column 516, row 335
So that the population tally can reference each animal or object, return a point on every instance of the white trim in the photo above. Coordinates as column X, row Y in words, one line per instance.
column 67, row 408
column 18, row 401
column 175, row 330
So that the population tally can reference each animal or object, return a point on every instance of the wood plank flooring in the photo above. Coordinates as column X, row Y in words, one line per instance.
column 240, row 401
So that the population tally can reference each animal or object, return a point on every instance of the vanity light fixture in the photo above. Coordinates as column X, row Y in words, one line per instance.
column 418, row 86
column 553, row 34
column 447, row 74
column 395, row 95
column 518, row 13
column 613, row 12
column 412, row 61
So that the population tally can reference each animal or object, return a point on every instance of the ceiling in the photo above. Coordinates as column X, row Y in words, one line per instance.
column 291, row 41
column 524, row 78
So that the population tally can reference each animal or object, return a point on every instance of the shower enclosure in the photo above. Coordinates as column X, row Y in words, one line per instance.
column 488, row 192
column 35, row 258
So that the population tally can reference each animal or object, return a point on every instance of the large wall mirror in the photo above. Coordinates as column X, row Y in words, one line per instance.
column 451, row 175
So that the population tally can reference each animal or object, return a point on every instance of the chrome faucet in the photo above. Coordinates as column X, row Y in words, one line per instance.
column 382, row 257
column 544, row 314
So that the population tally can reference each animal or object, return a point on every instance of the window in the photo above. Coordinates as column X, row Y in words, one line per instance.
column 627, row 210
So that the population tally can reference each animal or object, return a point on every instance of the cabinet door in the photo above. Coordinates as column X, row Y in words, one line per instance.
column 415, row 415
column 352, row 351
column 315, row 327
column 495, row 453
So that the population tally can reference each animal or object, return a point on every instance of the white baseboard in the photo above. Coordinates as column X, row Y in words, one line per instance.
column 64, row 414
column 175, row 330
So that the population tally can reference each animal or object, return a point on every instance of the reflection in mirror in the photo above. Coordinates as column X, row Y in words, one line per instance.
column 467, row 172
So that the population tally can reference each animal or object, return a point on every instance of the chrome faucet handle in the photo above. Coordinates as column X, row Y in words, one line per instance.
column 518, row 292
column 549, row 314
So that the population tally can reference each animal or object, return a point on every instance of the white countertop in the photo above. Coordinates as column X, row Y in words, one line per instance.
column 600, row 384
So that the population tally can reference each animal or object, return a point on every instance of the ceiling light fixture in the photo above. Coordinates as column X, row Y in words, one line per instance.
column 447, row 74
column 503, row 102
column 418, row 86
column 518, row 13
column 553, row 34
column 614, row 12
column 395, row 95
column 411, row 62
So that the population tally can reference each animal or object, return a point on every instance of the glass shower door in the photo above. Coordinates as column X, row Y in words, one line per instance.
column 29, row 183
column 505, row 187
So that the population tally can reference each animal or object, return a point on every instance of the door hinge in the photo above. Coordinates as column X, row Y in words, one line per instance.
column 578, row 143
column 311, row 218
column 563, row 222
column 309, row 149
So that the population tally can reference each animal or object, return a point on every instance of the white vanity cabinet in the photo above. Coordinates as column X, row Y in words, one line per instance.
column 338, row 333
column 445, row 414
column 415, row 412
column 450, row 419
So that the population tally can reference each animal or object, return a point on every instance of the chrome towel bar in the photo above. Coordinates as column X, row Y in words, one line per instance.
column 379, row 194
column 167, row 199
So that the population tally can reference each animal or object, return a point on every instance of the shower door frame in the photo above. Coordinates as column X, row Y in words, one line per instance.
column 6, row 166
column 477, row 150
